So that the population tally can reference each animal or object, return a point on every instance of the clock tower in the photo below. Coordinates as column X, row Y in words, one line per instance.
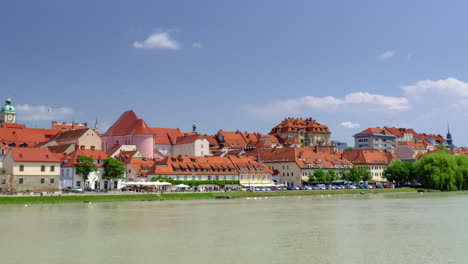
column 8, row 113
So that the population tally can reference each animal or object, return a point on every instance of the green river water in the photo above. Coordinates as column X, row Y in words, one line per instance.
column 374, row 228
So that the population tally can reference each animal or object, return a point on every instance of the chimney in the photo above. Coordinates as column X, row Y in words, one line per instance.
column 64, row 123
column 76, row 147
column 54, row 122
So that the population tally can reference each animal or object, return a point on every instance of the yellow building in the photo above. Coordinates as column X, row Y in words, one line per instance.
column 30, row 170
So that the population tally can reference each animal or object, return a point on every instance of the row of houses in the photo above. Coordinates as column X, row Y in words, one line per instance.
column 46, row 159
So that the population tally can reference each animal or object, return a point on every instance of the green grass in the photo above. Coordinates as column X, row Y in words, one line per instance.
column 78, row 198
column 184, row 196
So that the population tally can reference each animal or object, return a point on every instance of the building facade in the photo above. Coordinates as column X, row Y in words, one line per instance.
column 308, row 132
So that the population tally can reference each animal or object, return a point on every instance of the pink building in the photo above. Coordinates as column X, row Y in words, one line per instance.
column 129, row 129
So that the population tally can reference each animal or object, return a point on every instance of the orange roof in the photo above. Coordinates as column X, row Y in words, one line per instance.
column 189, row 165
column 59, row 148
column 305, row 157
column 33, row 155
column 246, row 164
column 70, row 160
column 128, row 124
column 375, row 130
column 188, row 139
column 233, row 139
column 399, row 132
column 166, row 136
column 294, row 124
column 71, row 134
column 416, row 145
column 369, row 157
column 29, row 136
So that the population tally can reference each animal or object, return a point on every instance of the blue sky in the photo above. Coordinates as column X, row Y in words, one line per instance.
column 239, row 64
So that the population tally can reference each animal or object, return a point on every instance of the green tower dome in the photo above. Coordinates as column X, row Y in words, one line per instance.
column 8, row 108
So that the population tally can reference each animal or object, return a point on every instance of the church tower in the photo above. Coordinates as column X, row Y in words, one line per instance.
column 449, row 139
column 8, row 113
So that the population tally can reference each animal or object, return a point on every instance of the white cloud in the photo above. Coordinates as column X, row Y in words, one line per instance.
column 158, row 40
column 386, row 55
column 197, row 45
column 449, row 86
column 41, row 112
column 349, row 124
column 359, row 101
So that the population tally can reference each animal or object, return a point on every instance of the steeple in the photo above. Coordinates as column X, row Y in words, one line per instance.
column 96, row 127
column 194, row 127
column 8, row 113
column 449, row 138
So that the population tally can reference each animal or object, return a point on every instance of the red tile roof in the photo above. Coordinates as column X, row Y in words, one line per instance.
column 128, row 124
column 33, row 155
column 293, row 124
column 70, row 160
column 399, row 132
column 369, row 157
column 166, row 136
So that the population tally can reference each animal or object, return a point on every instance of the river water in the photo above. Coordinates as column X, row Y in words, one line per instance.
column 374, row 228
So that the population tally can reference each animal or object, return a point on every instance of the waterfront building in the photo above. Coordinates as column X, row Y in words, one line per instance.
column 307, row 132
column 137, row 167
column 30, row 170
column 251, row 172
column 70, row 179
column 191, row 145
column 376, row 160
column 194, row 168
column 293, row 165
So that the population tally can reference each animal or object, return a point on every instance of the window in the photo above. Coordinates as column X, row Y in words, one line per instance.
column 52, row 180
column 20, row 180
column 3, row 181
column 209, row 177
column 52, row 168
column 42, row 168
column 42, row 180
column 78, row 184
column 21, row 167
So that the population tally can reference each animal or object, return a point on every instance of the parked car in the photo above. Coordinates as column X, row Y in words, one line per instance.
column 351, row 187
column 319, row 187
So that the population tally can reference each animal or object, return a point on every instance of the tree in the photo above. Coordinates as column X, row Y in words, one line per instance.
column 85, row 165
column 320, row 175
column 113, row 169
column 400, row 172
column 332, row 176
column 348, row 149
column 353, row 175
column 440, row 170
column 160, row 178
column 311, row 178
column 365, row 173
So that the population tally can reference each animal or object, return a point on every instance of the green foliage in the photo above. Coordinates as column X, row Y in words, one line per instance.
column 353, row 175
column 311, row 178
column 3, row 171
column 441, row 171
column 332, row 176
column 320, row 176
column 85, row 166
column 400, row 172
column 113, row 169
column 365, row 173
column 194, row 182
column 348, row 149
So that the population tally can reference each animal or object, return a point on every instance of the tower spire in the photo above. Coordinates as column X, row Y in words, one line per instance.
column 194, row 127
column 96, row 125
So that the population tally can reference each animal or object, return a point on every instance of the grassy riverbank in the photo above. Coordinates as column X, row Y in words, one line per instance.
column 78, row 198
column 184, row 196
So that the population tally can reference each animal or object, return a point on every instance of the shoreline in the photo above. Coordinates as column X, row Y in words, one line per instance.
column 188, row 196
